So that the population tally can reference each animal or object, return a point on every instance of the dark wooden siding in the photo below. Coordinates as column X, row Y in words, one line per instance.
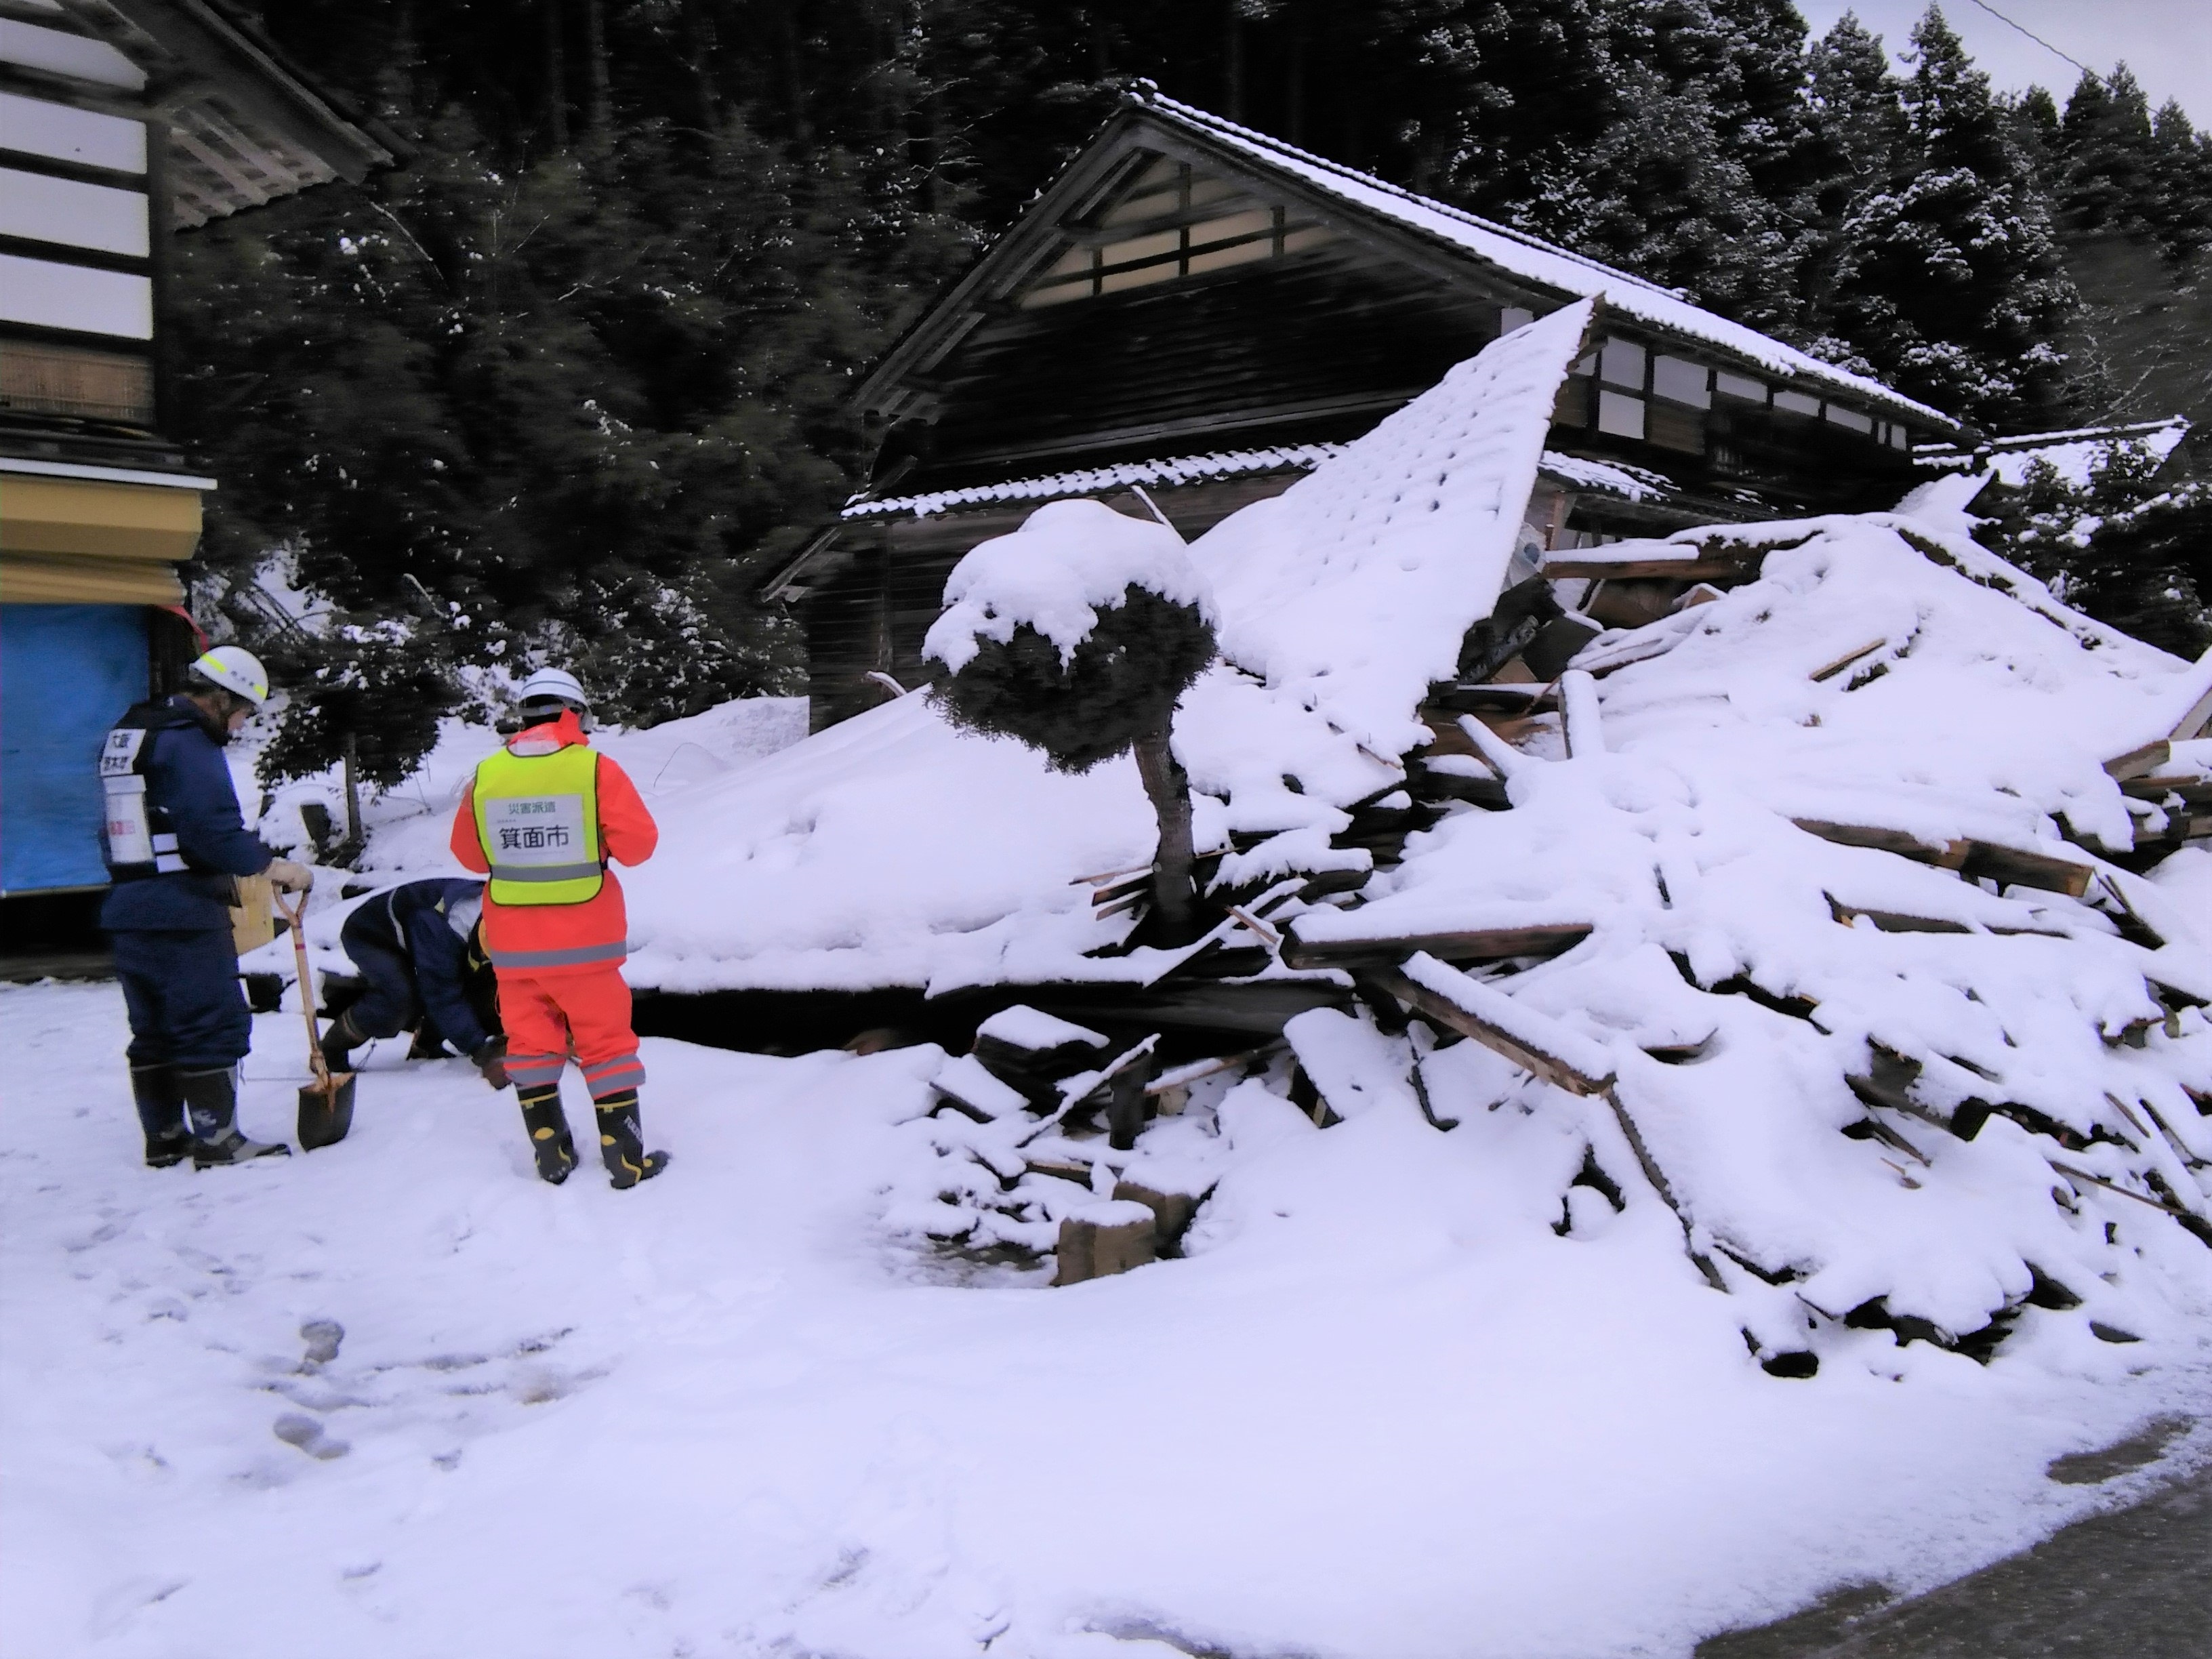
column 1260, row 354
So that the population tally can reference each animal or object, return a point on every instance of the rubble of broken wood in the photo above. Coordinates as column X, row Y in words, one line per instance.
column 1526, row 694
column 1035, row 1118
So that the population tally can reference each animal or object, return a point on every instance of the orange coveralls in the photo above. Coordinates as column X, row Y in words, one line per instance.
column 583, row 1008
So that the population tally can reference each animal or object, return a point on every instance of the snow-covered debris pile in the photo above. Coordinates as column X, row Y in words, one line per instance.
column 1819, row 910
column 1842, row 916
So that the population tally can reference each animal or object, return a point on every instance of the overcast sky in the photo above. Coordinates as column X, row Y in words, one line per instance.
column 2167, row 43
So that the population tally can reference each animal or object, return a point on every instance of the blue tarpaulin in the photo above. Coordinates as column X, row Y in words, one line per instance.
column 66, row 672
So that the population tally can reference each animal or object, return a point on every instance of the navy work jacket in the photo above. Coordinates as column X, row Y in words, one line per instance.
column 414, row 920
column 187, row 777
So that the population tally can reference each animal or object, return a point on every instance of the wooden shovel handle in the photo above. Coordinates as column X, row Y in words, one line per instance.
column 292, row 913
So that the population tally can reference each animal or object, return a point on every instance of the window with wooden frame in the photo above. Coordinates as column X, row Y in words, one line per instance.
column 1170, row 221
column 39, row 377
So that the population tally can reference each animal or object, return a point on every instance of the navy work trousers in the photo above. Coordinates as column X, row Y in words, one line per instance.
column 182, row 991
column 389, row 1003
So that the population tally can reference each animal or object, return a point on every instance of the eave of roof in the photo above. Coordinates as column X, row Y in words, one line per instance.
column 1527, row 262
column 1533, row 261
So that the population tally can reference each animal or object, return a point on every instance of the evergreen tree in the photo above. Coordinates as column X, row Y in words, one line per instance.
column 1855, row 151
column 2132, row 545
column 565, row 412
column 1957, row 291
column 2107, row 181
column 2180, row 210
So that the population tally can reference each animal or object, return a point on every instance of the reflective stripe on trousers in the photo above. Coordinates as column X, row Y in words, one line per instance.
column 570, row 956
column 610, row 1076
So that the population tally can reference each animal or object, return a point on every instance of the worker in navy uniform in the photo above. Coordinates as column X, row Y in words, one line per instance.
column 418, row 950
column 175, row 840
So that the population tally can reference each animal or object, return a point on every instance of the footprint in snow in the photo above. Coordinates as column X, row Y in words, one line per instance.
column 322, row 1337
column 296, row 1430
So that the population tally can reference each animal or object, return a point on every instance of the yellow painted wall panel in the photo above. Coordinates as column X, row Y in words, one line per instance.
column 58, row 578
column 92, row 518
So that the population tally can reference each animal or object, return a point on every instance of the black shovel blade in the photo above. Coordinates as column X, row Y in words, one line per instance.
column 325, row 1114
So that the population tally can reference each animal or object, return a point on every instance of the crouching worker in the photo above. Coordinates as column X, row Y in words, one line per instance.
column 422, row 969
column 175, row 841
column 542, row 817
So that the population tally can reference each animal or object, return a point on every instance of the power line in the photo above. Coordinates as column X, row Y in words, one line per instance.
column 2032, row 35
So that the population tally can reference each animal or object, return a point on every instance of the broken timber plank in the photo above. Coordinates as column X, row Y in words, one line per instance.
column 1948, row 856
column 1541, row 1045
column 1585, row 731
column 1491, row 699
column 2016, row 867
column 1536, row 1042
column 1973, row 858
column 1694, row 568
column 1829, row 671
column 1893, row 921
column 2137, row 761
column 1475, row 945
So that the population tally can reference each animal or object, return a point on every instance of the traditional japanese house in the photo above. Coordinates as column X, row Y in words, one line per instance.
column 1200, row 313
column 120, row 120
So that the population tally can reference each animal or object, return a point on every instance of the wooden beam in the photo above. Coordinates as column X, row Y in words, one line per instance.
column 1829, row 671
column 1536, row 1042
column 1894, row 921
column 2137, row 761
column 1695, row 569
column 1474, row 944
column 2014, row 866
column 1948, row 856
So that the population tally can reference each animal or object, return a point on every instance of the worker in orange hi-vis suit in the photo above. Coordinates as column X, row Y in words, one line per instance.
column 541, row 817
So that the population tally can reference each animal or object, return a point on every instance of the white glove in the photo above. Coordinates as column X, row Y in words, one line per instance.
column 289, row 878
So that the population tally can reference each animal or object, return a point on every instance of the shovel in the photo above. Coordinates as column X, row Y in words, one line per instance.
column 326, row 1104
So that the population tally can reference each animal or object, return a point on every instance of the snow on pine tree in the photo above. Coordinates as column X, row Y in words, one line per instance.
column 1077, row 634
column 1958, row 288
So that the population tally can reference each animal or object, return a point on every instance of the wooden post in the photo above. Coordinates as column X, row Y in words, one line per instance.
column 354, row 840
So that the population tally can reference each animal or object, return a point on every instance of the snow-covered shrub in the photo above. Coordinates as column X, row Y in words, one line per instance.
column 1076, row 635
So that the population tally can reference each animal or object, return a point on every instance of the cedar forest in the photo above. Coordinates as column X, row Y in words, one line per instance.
column 573, row 375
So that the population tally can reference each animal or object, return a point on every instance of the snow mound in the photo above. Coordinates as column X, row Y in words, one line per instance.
column 1069, row 560
column 890, row 850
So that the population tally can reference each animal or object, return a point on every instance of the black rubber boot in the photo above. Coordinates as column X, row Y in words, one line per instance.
column 427, row 1044
column 622, row 1143
column 549, row 1142
column 211, row 1108
column 161, row 1115
column 339, row 1042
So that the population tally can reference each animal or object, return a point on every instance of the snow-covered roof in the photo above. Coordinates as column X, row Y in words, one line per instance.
column 1099, row 480
column 1533, row 260
column 2074, row 452
column 1351, row 591
column 1634, row 483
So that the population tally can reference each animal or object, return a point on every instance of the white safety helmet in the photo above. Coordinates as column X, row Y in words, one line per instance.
column 555, row 685
column 236, row 670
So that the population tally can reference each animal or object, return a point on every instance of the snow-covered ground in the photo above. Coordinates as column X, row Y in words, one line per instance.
column 1382, row 1409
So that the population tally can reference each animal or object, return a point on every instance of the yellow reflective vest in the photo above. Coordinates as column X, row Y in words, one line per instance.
column 537, row 818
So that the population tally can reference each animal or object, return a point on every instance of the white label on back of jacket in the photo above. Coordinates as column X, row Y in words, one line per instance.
column 529, row 831
column 130, row 838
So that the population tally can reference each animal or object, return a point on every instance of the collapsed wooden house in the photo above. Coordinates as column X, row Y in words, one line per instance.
column 1197, row 311
column 1823, row 897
